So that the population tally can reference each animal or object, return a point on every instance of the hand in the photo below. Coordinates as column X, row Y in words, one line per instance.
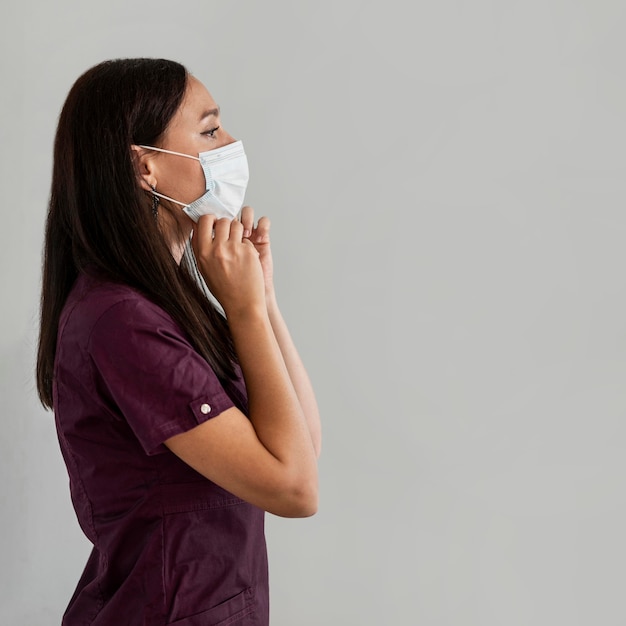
column 260, row 238
column 230, row 264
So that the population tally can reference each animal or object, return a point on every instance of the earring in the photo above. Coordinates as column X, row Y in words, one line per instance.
column 155, row 201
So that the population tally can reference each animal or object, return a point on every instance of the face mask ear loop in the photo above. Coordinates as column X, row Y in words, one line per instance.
column 155, row 202
column 160, row 195
column 182, row 154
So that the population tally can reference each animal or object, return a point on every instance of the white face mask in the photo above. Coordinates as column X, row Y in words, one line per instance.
column 226, row 175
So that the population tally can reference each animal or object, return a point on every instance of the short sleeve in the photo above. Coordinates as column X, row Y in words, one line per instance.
column 147, row 366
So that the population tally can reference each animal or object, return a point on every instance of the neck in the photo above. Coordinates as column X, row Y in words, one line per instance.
column 180, row 226
column 178, row 250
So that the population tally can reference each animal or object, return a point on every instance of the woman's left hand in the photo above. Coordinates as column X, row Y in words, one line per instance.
column 259, row 235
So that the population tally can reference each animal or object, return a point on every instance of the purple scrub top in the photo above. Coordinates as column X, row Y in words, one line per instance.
column 169, row 546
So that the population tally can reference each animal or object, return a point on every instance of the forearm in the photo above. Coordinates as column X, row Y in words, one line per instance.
column 274, row 406
column 297, row 374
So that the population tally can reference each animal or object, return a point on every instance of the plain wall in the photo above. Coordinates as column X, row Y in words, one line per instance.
column 446, row 186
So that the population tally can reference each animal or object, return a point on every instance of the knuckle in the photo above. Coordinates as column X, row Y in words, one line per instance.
column 220, row 253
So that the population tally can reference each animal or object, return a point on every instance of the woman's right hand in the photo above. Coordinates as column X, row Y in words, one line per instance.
column 229, row 264
column 267, row 455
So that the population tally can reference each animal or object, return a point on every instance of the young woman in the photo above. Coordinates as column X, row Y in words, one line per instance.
column 180, row 422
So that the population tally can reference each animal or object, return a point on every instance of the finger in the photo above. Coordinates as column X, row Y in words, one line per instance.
column 247, row 219
column 222, row 229
column 203, row 233
column 236, row 230
column 262, row 231
column 248, row 243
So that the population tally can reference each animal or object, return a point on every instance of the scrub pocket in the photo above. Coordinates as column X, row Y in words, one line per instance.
column 239, row 610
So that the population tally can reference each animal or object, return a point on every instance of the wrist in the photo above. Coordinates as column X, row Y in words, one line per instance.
column 246, row 315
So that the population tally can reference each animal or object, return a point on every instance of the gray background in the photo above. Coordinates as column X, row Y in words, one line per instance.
column 446, row 184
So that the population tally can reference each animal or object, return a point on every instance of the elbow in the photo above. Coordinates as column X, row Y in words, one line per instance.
column 300, row 500
column 299, row 507
column 306, row 505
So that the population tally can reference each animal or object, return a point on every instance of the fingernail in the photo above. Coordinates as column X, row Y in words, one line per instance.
column 246, row 233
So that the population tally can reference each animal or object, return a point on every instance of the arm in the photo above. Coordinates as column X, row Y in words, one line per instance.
column 297, row 374
column 260, row 237
column 268, row 459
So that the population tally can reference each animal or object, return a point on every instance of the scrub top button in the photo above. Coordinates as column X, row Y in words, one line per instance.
column 205, row 408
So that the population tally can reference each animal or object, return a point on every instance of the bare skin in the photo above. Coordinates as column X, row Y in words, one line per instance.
column 268, row 458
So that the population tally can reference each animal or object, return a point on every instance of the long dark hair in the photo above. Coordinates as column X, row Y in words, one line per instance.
column 100, row 219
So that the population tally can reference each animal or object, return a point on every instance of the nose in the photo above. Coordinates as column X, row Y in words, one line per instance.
column 228, row 138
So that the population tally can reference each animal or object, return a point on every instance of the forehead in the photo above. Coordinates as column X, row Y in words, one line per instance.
column 195, row 106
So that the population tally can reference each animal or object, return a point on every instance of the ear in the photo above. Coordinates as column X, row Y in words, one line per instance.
column 144, row 166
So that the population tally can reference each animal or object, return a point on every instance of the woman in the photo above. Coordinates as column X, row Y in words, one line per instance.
column 179, row 423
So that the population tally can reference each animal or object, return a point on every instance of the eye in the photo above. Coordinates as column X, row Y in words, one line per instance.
column 211, row 133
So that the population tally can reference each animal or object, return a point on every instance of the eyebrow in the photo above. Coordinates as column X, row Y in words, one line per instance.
column 215, row 112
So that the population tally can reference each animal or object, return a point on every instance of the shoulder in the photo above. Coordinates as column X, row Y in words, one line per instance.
column 95, row 303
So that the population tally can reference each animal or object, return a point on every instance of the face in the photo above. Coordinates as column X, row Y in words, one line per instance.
column 195, row 128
